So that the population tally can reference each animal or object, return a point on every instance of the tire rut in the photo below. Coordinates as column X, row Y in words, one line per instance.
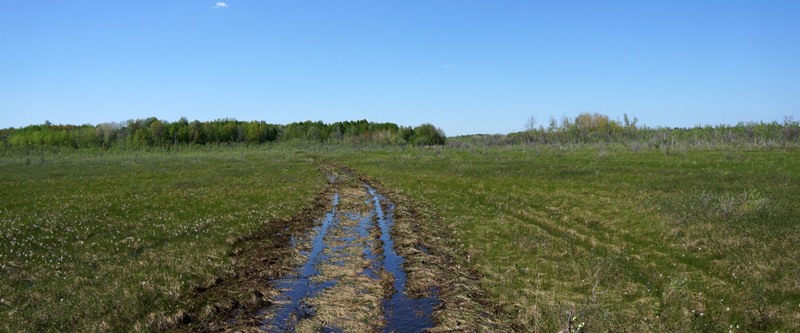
column 360, row 258
column 351, row 279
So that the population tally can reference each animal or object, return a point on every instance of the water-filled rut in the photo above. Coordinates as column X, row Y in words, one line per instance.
column 349, row 276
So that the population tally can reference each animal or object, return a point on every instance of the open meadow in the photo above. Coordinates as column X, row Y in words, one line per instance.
column 97, row 241
column 400, row 166
column 596, row 236
column 658, row 240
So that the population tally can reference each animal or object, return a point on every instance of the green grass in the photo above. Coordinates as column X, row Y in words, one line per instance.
column 95, row 241
column 688, row 240
column 697, row 240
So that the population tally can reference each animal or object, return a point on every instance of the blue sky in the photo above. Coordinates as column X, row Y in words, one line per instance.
column 465, row 66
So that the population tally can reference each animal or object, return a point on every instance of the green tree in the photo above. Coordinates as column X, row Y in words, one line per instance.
column 428, row 135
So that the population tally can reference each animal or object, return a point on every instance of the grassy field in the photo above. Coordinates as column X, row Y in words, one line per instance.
column 687, row 240
column 93, row 241
column 692, row 240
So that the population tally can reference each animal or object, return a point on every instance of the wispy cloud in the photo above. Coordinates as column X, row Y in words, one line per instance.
column 219, row 5
column 448, row 66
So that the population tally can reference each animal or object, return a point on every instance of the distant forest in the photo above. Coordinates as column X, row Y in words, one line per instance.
column 152, row 132
column 596, row 128
column 585, row 128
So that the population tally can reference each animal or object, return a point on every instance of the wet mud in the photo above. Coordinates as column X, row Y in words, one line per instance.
column 352, row 279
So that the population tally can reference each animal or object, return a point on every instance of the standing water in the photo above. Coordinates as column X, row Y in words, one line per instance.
column 339, row 288
column 403, row 313
column 295, row 289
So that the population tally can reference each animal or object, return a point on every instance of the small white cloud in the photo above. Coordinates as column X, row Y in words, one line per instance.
column 220, row 5
column 449, row 66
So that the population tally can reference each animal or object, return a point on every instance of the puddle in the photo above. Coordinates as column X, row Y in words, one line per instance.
column 343, row 284
column 295, row 289
column 402, row 313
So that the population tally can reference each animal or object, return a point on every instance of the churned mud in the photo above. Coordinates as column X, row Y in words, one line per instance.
column 358, row 261
column 352, row 279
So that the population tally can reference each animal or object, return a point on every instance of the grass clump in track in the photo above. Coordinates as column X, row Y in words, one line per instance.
column 94, row 241
column 691, row 240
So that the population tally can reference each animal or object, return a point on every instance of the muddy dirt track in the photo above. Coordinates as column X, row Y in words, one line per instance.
column 359, row 261
column 352, row 279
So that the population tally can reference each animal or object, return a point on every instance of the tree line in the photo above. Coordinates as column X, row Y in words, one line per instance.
column 587, row 128
column 153, row 132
